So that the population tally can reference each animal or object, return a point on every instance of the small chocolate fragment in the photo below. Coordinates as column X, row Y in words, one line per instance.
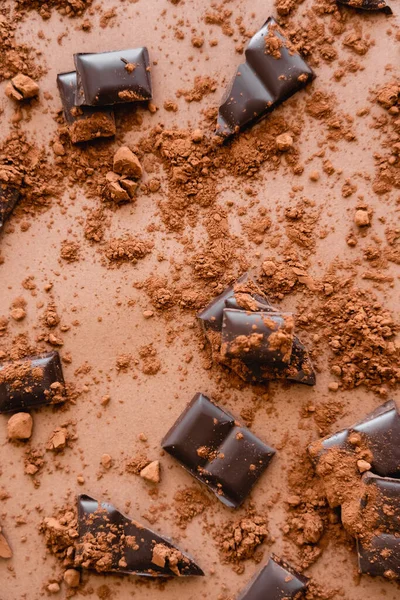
column 110, row 542
column 273, row 72
column 373, row 5
column 9, row 197
column 113, row 77
column 215, row 449
column 31, row 382
column 85, row 123
column 257, row 336
column 380, row 431
column 380, row 556
column 382, row 501
column 276, row 581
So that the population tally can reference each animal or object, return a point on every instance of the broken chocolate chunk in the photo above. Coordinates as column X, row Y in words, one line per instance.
column 276, row 581
column 111, row 542
column 9, row 197
column 215, row 449
column 254, row 358
column 273, row 72
column 373, row 5
column 84, row 123
column 31, row 382
column 380, row 556
column 106, row 78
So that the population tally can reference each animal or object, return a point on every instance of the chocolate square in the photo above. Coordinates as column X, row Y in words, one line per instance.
column 31, row 382
column 276, row 581
column 85, row 123
column 215, row 449
column 117, row 77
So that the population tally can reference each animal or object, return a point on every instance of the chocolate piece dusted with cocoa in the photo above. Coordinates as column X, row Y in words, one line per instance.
column 251, row 353
column 9, row 197
column 84, row 123
column 273, row 72
column 215, row 449
column 118, row 77
column 372, row 5
column 31, row 382
column 111, row 542
column 276, row 581
column 381, row 556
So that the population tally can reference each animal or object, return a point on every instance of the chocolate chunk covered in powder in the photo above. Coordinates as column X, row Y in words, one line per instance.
column 372, row 5
column 273, row 72
column 84, row 123
column 381, row 501
column 9, row 197
column 380, row 557
column 215, row 449
column 111, row 542
column 276, row 581
column 107, row 78
column 31, row 382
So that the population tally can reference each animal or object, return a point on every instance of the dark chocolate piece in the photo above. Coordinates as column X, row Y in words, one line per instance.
column 215, row 449
column 211, row 316
column 9, row 197
column 273, row 72
column 276, row 581
column 257, row 336
column 106, row 78
column 85, row 123
column 381, row 432
column 380, row 556
column 373, row 5
column 31, row 382
column 111, row 542
column 382, row 498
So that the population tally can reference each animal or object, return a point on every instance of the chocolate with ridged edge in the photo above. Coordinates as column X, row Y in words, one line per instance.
column 276, row 581
column 215, row 449
column 107, row 78
column 31, row 382
column 129, row 546
column 263, row 82
column 99, row 122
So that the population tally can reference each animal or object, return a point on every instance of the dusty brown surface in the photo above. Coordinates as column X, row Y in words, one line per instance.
column 115, row 286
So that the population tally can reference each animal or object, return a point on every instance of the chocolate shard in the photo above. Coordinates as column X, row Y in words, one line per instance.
column 85, row 123
column 9, row 197
column 110, row 542
column 380, row 431
column 215, row 449
column 382, row 500
column 373, row 5
column 276, row 581
column 31, row 382
column 273, row 72
column 244, row 297
column 380, row 556
column 118, row 77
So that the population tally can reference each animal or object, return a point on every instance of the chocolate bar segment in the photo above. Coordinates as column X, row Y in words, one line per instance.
column 112, row 542
column 31, row 382
column 372, row 5
column 116, row 77
column 9, row 197
column 381, row 502
column 215, row 449
column 380, row 557
column 273, row 72
column 276, row 581
column 85, row 123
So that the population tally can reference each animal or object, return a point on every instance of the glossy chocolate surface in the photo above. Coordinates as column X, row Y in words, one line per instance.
column 31, row 382
column 276, row 581
column 380, row 556
column 383, row 497
column 105, row 126
column 262, row 82
column 374, row 5
column 131, row 545
column 9, row 197
column 116, row 77
column 211, row 316
column 215, row 449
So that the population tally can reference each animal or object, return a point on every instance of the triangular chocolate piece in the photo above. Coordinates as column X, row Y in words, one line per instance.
column 111, row 542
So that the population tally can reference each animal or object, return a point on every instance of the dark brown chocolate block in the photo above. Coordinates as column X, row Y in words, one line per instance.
column 273, row 72
column 111, row 542
column 85, row 123
column 380, row 556
column 9, row 197
column 31, row 382
column 373, row 5
column 381, row 432
column 116, row 77
column 215, row 449
column 276, row 581
column 382, row 499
